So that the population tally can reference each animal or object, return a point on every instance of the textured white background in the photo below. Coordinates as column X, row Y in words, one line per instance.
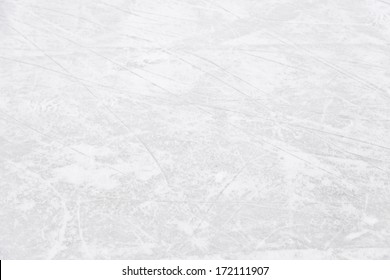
column 194, row 129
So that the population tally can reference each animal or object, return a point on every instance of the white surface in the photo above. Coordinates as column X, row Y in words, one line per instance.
column 194, row 129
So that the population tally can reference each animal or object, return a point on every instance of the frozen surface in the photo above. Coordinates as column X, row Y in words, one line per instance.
column 194, row 129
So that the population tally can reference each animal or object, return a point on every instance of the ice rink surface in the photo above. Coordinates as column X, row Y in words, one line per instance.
column 195, row 129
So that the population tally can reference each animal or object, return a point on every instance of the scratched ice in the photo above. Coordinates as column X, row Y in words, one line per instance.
column 163, row 129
